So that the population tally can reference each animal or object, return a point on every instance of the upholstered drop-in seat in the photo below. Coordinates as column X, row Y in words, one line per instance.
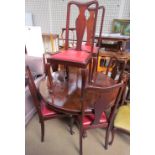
column 72, row 56
column 88, row 119
column 122, row 119
column 47, row 112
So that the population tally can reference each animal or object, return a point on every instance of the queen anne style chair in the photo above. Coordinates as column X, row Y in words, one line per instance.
column 121, row 121
column 104, row 101
column 48, row 73
column 116, row 68
column 77, row 57
column 43, row 112
column 112, row 67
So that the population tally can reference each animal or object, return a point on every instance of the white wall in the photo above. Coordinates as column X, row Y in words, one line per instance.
column 51, row 14
column 40, row 13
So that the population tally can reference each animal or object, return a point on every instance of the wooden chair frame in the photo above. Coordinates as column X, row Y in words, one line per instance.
column 90, row 21
column 101, row 105
column 36, row 100
column 80, row 29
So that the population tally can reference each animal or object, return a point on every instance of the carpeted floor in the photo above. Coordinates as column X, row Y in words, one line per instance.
column 58, row 140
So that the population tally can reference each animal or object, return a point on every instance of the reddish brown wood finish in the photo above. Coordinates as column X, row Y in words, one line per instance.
column 114, row 129
column 73, row 58
column 45, row 57
column 81, row 22
column 119, row 55
column 106, row 98
column 38, row 103
column 66, row 96
column 90, row 21
column 63, row 90
column 117, row 66
column 121, row 41
column 89, row 42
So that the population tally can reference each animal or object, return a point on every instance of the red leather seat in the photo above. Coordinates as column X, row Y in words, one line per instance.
column 87, row 120
column 72, row 55
column 47, row 112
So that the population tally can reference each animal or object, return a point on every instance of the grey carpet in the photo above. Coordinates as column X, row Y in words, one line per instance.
column 58, row 140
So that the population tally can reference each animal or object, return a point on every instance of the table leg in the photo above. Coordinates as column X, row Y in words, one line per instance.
column 67, row 72
column 54, row 67
column 83, row 72
column 94, row 67
column 90, row 72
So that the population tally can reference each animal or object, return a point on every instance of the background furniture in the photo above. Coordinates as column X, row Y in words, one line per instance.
column 113, row 42
column 104, row 57
column 119, row 37
column 121, row 121
column 51, row 42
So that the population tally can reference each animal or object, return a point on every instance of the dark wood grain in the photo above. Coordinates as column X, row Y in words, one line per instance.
column 68, row 92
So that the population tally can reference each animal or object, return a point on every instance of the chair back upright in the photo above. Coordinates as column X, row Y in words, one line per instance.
column 34, row 92
column 105, row 99
column 116, row 67
column 81, row 22
column 90, row 22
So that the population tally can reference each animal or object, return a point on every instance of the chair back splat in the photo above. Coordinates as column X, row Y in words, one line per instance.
column 105, row 99
column 91, row 21
column 81, row 22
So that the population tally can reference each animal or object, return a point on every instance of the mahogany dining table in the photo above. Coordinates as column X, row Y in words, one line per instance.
column 66, row 96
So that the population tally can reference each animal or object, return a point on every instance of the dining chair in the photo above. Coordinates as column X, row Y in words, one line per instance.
column 112, row 67
column 116, row 67
column 43, row 112
column 77, row 57
column 122, row 121
column 60, row 78
column 87, row 46
column 104, row 101
column 127, row 68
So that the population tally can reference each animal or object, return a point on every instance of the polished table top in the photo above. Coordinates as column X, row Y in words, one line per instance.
column 65, row 96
